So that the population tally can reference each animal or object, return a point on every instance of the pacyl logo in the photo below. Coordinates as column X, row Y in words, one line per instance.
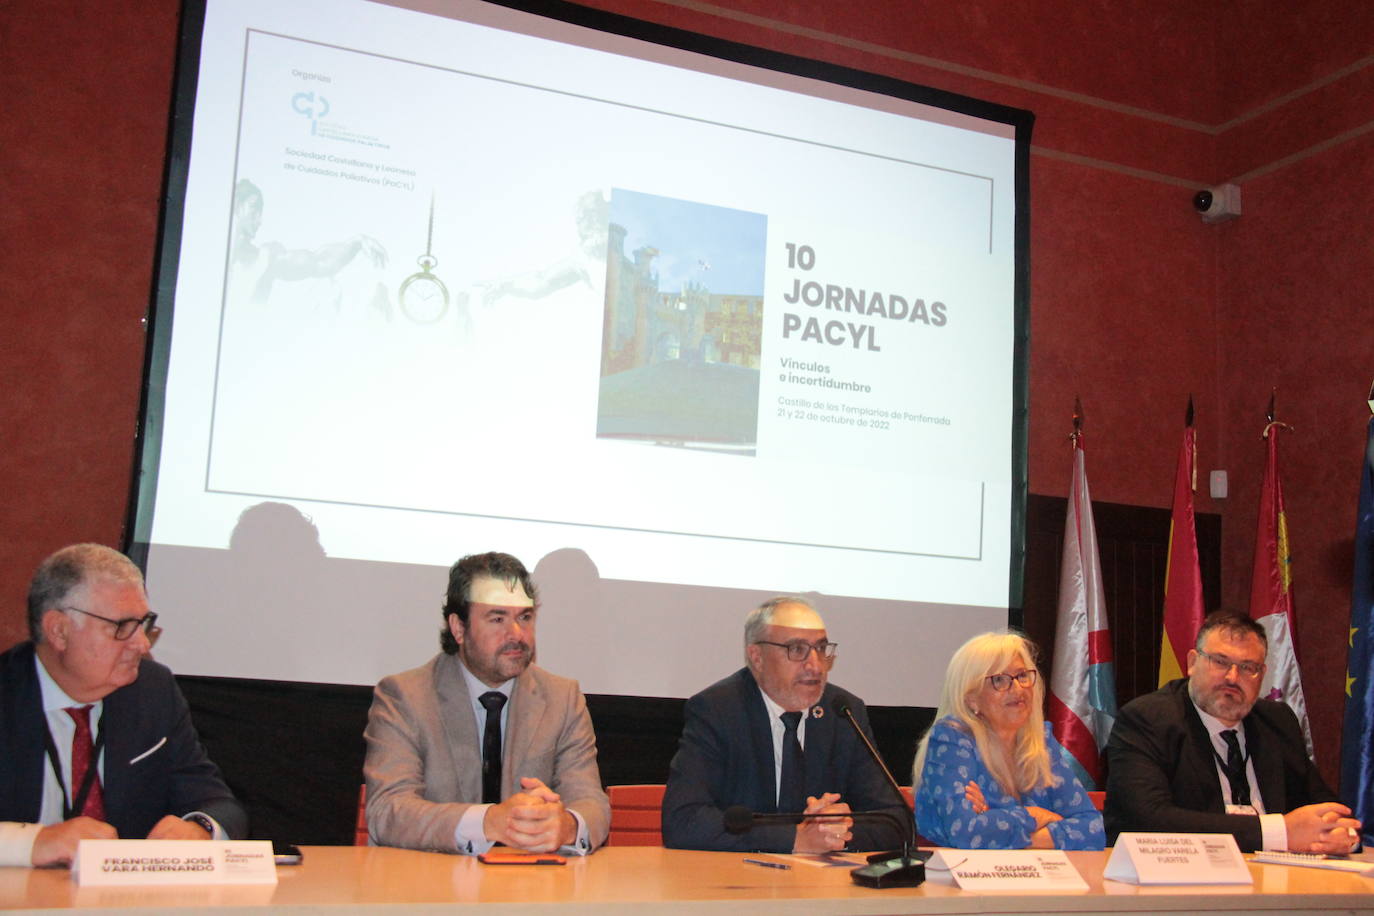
column 310, row 105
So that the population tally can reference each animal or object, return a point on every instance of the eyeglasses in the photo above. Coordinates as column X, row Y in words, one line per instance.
column 798, row 650
column 1223, row 665
column 1002, row 682
column 125, row 628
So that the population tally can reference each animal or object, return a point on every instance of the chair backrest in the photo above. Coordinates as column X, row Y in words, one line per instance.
column 910, row 797
column 1098, row 799
column 360, row 832
column 636, row 815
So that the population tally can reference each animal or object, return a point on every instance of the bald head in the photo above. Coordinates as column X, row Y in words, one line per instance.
column 772, row 632
column 797, row 616
column 782, row 611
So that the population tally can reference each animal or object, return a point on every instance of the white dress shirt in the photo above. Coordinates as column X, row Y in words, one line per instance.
column 779, row 731
column 1273, row 831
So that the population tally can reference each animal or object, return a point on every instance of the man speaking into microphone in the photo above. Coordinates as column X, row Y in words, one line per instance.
column 768, row 739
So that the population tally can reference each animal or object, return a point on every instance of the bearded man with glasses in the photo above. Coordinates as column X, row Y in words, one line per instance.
column 1204, row 754
column 768, row 738
column 96, row 740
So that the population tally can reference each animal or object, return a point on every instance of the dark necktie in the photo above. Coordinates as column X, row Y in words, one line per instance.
column 83, row 760
column 1235, row 769
column 492, row 701
column 792, row 789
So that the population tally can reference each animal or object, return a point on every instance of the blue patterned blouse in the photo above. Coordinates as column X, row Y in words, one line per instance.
column 945, row 817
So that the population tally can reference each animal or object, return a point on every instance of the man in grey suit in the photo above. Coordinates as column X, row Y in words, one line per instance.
column 479, row 746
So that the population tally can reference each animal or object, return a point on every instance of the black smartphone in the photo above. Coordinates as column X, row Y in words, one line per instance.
column 286, row 853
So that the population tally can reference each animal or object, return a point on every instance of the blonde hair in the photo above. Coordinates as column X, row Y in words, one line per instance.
column 983, row 655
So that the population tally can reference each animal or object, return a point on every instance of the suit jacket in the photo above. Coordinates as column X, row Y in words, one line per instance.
column 154, row 763
column 1162, row 775
column 424, row 754
column 725, row 758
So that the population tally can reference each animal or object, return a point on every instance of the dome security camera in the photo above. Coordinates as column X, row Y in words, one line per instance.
column 1216, row 205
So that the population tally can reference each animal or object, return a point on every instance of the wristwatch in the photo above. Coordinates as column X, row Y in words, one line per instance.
column 200, row 820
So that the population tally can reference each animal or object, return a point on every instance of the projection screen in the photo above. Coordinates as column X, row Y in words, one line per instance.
column 682, row 324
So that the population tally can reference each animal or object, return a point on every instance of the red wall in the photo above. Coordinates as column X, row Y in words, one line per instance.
column 86, row 91
column 1135, row 302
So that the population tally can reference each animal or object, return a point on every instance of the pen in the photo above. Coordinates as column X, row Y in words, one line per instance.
column 761, row 862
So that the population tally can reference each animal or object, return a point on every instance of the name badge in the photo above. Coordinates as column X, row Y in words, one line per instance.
column 1006, row 869
column 106, row 863
column 1177, row 858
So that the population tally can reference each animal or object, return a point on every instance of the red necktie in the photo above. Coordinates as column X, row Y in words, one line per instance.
column 83, row 750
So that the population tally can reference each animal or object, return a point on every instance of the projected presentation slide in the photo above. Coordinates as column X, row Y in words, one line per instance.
column 481, row 280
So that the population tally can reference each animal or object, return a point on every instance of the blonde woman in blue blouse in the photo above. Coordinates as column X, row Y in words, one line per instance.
column 988, row 774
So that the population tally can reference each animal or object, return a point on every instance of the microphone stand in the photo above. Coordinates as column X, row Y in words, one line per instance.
column 904, row 871
column 739, row 819
column 907, row 869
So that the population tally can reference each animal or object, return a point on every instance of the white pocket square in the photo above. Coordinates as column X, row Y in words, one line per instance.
column 148, row 751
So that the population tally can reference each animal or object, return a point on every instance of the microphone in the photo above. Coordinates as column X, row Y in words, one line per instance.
column 902, row 871
column 739, row 819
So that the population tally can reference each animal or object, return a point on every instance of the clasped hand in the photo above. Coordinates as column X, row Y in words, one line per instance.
column 56, row 843
column 1323, row 828
column 824, row 834
column 533, row 818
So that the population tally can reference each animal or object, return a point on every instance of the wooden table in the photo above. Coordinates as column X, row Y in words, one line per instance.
column 337, row 880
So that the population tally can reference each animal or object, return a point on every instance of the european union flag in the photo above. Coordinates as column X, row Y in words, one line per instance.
column 1357, row 745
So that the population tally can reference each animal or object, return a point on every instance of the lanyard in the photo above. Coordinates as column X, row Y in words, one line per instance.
column 72, row 808
column 1225, row 768
column 1238, row 778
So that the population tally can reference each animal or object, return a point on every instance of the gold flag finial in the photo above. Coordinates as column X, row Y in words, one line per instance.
column 1269, row 416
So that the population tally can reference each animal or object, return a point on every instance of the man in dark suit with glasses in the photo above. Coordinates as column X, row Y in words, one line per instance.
column 768, row 738
column 96, row 739
column 1204, row 754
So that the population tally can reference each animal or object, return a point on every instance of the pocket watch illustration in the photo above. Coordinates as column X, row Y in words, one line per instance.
column 424, row 297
